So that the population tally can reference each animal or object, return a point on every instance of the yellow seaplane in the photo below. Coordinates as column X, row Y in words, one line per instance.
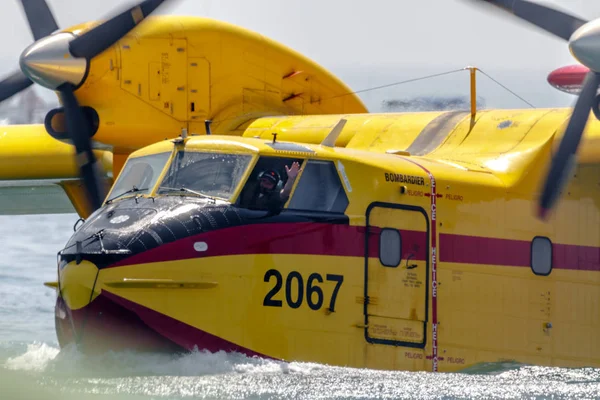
column 235, row 196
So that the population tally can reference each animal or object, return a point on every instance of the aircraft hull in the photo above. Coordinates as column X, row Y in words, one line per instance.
column 94, row 328
column 217, row 302
column 232, row 317
column 113, row 323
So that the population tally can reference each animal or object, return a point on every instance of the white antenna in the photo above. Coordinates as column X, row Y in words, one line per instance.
column 329, row 141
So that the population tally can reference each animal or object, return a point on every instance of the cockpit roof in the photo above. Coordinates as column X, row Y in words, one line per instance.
column 235, row 144
column 391, row 161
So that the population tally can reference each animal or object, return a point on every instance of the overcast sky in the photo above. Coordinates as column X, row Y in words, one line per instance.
column 370, row 43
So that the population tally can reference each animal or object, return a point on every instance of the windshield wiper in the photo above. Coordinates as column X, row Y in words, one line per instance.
column 184, row 189
column 134, row 189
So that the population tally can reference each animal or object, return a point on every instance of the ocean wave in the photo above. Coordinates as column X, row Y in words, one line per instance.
column 234, row 376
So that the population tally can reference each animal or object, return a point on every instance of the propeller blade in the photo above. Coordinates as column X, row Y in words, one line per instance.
column 79, row 130
column 41, row 20
column 553, row 21
column 13, row 84
column 100, row 38
column 564, row 160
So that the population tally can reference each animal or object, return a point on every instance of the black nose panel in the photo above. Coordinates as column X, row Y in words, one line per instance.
column 132, row 226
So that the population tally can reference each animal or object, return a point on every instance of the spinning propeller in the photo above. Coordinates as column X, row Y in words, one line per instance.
column 583, row 38
column 60, row 62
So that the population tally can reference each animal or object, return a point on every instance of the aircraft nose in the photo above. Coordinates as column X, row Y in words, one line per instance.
column 48, row 62
column 585, row 45
column 77, row 283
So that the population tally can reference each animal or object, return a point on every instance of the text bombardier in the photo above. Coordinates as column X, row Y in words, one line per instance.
column 415, row 180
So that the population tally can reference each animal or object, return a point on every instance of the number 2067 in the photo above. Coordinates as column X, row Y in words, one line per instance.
column 295, row 293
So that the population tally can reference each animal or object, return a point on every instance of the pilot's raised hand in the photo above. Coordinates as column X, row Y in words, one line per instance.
column 293, row 171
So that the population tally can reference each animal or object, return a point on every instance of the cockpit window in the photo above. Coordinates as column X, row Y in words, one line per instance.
column 209, row 174
column 319, row 189
column 268, row 187
column 139, row 175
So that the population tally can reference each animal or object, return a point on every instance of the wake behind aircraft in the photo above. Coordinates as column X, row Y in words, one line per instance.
column 236, row 196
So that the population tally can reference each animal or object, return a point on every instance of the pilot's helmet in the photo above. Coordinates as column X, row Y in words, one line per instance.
column 270, row 175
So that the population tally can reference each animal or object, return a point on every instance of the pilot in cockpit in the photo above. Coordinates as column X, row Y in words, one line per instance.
column 265, row 194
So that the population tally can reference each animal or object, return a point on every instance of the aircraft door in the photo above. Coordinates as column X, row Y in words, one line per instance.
column 397, row 272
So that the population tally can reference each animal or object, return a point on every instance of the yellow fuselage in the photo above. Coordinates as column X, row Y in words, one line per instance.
column 463, row 290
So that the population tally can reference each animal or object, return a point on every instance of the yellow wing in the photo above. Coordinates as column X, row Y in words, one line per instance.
column 38, row 174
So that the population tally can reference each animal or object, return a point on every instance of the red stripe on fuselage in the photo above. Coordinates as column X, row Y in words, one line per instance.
column 465, row 249
column 482, row 250
column 278, row 238
column 348, row 240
